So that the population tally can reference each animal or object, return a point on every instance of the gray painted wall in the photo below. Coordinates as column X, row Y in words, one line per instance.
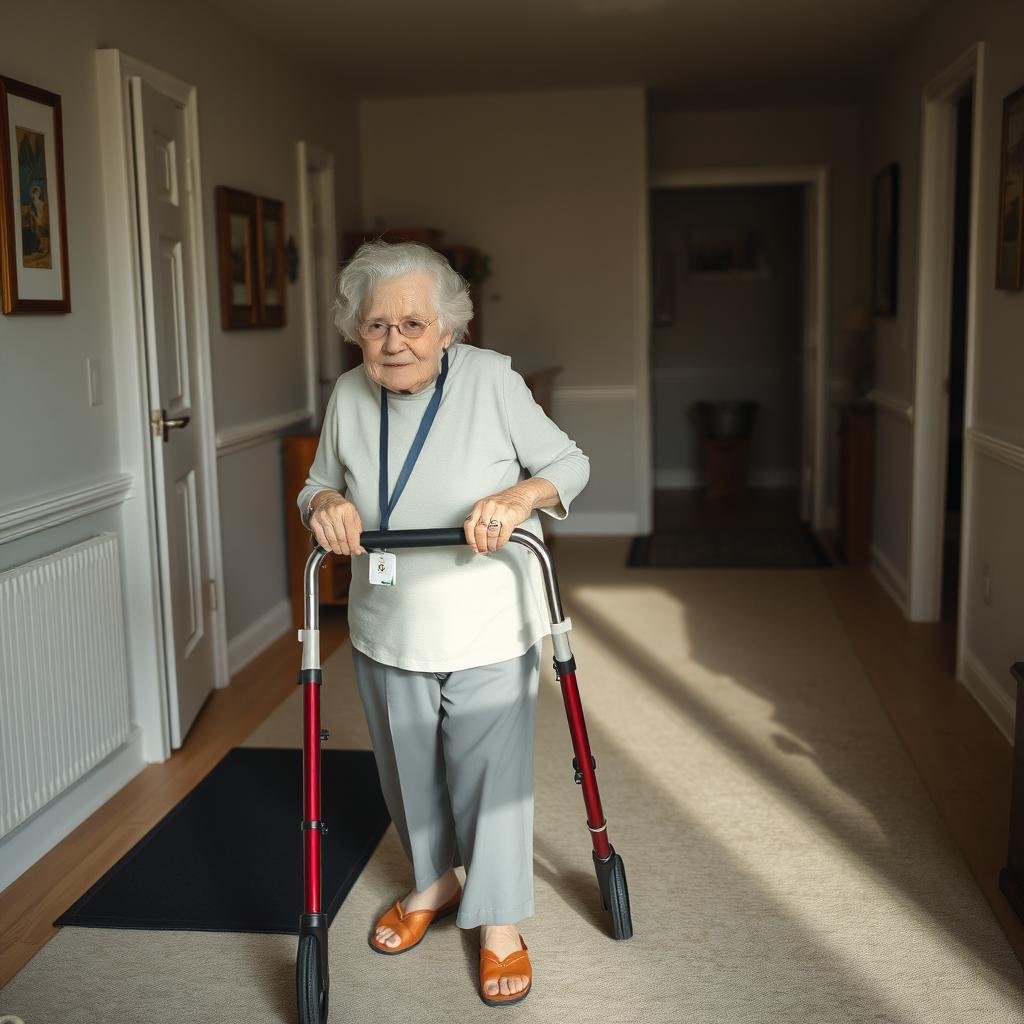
column 551, row 185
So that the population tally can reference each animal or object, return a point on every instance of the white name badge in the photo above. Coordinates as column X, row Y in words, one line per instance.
column 383, row 568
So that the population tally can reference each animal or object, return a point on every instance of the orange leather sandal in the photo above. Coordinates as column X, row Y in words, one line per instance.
column 410, row 926
column 493, row 969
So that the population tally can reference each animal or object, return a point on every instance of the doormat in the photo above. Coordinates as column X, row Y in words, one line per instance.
column 732, row 547
column 228, row 857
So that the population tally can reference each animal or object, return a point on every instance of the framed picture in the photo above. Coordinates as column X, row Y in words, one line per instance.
column 33, row 218
column 714, row 249
column 1011, row 194
column 885, row 213
column 236, row 251
column 271, row 262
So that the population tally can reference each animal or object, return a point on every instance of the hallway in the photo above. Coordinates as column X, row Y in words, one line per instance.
column 785, row 859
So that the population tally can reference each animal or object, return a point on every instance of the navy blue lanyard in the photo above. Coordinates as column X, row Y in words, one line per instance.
column 387, row 507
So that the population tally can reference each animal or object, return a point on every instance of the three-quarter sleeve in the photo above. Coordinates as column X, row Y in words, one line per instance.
column 327, row 471
column 543, row 448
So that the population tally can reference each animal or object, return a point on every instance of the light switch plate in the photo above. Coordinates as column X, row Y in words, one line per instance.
column 95, row 389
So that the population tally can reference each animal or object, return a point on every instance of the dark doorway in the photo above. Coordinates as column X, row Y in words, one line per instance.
column 726, row 358
column 957, row 360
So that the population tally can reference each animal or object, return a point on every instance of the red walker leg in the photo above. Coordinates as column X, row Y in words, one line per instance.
column 311, row 795
column 585, row 765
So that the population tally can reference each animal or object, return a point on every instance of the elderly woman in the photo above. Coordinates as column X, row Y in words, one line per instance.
column 446, row 642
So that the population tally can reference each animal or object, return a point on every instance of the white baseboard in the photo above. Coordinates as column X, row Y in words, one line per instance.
column 892, row 580
column 983, row 687
column 36, row 836
column 590, row 523
column 258, row 636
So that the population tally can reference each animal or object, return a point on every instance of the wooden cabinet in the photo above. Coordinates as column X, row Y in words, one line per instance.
column 856, row 482
column 725, row 466
column 298, row 451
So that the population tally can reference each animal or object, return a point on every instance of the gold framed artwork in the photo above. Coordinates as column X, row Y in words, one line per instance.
column 33, row 214
column 251, row 259
column 1010, row 229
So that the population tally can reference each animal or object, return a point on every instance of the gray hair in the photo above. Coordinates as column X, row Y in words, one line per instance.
column 376, row 261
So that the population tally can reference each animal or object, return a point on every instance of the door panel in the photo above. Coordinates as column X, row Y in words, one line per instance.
column 164, row 199
column 188, row 593
column 173, row 348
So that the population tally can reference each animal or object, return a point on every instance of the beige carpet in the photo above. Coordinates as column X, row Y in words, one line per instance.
column 784, row 861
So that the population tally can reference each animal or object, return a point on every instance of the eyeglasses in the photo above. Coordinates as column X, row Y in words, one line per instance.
column 410, row 327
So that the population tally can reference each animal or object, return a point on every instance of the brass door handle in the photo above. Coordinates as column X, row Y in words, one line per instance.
column 162, row 425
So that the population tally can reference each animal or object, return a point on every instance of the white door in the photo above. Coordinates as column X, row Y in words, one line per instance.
column 164, row 198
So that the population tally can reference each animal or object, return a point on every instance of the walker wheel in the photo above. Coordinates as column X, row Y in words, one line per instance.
column 312, row 996
column 611, row 877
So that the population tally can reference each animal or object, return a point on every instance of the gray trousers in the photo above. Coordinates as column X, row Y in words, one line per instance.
column 454, row 752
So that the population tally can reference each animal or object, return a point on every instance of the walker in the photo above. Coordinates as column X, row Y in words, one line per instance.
column 311, row 974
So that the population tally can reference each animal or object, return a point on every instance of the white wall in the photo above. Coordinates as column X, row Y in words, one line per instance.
column 552, row 186
column 994, row 636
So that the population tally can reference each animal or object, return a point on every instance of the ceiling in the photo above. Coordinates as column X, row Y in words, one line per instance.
column 689, row 53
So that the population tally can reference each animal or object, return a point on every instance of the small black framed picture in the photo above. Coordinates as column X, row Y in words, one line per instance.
column 885, row 213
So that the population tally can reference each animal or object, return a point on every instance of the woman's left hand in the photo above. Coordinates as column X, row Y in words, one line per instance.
column 490, row 524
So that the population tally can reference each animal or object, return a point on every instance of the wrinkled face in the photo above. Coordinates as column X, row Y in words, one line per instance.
column 396, row 362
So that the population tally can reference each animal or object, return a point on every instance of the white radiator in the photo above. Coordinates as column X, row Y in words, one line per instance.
column 64, row 703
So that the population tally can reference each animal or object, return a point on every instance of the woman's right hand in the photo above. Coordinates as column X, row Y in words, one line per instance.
column 336, row 525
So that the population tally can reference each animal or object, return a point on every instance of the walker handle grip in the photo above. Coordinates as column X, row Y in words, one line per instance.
column 413, row 538
column 435, row 538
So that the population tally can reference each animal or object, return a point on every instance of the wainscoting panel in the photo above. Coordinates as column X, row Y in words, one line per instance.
column 64, row 703
column 992, row 637
column 602, row 421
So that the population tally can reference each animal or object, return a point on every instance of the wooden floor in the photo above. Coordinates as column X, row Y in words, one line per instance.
column 49, row 887
column 963, row 759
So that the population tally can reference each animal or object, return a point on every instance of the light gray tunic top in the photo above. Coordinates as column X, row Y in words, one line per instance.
column 450, row 608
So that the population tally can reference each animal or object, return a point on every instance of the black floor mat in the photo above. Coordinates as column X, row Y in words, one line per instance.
column 228, row 857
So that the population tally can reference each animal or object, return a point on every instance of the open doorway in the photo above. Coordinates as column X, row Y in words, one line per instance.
column 956, row 376
column 735, row 315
